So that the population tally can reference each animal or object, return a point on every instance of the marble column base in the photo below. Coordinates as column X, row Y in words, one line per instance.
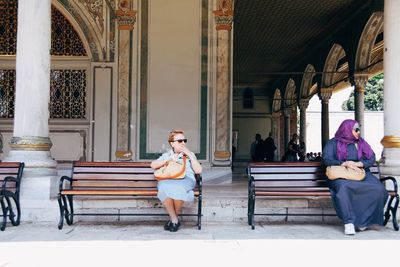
column 37, row 163
column 222, row 158
column 390, row 163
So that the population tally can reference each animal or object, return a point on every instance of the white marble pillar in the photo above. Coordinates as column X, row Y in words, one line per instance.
column 391, row 63
column 303, row 105
column 126, row 21
column 276, row 118
column 30, row 142
column 223, row 18
column 324, row 95
column 359, row 81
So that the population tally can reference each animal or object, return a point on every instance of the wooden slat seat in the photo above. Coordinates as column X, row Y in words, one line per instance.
column 120, row 179
column 10, row 182
column 301, row 179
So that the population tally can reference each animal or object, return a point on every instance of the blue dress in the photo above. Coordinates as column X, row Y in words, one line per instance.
column 358, row 202
column 181, row 189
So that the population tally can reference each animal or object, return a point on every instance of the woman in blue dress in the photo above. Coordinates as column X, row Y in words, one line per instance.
column 173, row 193
column 359, row 204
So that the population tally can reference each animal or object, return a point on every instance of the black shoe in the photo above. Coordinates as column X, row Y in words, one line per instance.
column 167, row 225
column 174, row 227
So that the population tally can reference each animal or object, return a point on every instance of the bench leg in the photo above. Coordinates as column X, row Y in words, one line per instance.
column 199, row 211
column 391, row 211
column 69, row 216
column 61, row 205
column 4, row 210
column 252, row 208
column 14, row 221
column 394, row 212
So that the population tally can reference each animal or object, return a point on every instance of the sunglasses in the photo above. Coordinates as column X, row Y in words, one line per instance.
column 180, row 140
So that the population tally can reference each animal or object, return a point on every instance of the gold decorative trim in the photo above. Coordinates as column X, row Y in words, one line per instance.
column 123, row 155
column 31, row 143
column 225, row 155
column 391, row 141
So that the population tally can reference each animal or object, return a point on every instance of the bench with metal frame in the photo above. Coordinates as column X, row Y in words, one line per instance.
column 298, row 180
column 112, row 179
column 10, row 182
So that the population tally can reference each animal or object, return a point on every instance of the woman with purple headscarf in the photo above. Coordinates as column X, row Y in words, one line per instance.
column 359, row 204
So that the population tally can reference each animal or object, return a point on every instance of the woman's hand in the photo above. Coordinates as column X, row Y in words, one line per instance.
column 356, row 166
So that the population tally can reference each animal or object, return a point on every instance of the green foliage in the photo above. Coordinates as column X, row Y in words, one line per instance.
column 373, row 98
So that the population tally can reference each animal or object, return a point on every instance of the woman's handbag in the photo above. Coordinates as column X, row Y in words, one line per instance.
column 335, row 172
column 171, row 170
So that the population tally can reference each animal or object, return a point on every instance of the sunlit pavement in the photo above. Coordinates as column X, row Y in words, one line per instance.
column 233, row 244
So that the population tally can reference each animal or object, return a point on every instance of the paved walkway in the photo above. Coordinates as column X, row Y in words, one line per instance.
column 228, row 244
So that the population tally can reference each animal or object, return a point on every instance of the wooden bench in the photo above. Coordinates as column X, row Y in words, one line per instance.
column 298, row 180
column 10, row 182
column 112, row 179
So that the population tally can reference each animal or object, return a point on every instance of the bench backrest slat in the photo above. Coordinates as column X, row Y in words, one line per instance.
column 13, row 169
column 113, row 176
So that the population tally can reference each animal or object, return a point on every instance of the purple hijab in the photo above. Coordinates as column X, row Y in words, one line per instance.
column 344, row 136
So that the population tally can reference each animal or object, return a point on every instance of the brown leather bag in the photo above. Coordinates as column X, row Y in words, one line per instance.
column 336, row 172
column 171, row 170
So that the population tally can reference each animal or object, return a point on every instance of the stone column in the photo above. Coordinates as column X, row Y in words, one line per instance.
column 391, row 140
column 30, row 142
column 223, row 18
column 324, row 95
column 276, row 117
column 287, row 112
column 126, row 22
column 358, row 81
column 303, row 105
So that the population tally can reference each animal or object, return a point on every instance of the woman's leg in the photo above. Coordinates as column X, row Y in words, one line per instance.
column 178, row 204
column 169, row 206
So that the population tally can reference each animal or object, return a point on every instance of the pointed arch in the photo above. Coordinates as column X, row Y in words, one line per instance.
column 329, row 77
column 277, row 102
column 366, row 44
column 307, row 82
column 290, row 93
column 90, row 37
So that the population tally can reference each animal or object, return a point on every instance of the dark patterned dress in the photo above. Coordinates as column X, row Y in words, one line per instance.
column 358, row 202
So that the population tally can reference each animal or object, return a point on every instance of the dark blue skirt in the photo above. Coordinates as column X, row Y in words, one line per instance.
column 359, row 202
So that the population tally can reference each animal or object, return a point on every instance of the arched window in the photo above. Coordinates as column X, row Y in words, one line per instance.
column 68, row 86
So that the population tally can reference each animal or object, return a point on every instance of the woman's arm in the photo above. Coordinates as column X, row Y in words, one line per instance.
column 158, row 164
column 193, row 160
column 329, row 154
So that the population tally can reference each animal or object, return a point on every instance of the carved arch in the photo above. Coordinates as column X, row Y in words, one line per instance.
column 329, row 76
column 277, row 102
column 290, row 93
column 372, row 29
column 307, row 82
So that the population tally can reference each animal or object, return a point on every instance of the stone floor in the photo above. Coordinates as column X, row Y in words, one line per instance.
column 230, row 243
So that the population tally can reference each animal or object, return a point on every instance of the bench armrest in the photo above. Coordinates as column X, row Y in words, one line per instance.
column 61, row 183
column 199, row 181
column 251, row 185
column 383, row 179
column 8, row 179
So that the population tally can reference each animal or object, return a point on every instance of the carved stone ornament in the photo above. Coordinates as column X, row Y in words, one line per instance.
column 224, row 15
column 126, row 19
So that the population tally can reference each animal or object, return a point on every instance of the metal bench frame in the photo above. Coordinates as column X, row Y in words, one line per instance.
column 9, row 192
column 296, row 191
column 66, row 200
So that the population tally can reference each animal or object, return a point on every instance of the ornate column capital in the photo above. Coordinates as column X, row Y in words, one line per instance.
column 276, row 115
column 303, row 104
column 224, row 15
column 359, row 79
column 126, row 17
column 325, row 94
